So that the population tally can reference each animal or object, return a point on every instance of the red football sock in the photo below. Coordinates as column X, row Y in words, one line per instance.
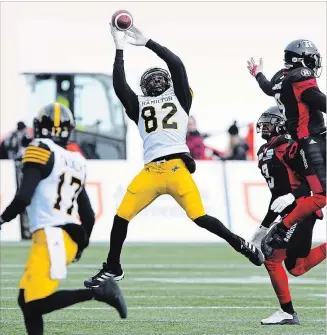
column 278, row 276
column 304, row 208
column 303, row 265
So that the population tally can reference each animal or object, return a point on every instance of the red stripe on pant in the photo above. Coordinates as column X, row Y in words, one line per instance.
column 278, row 276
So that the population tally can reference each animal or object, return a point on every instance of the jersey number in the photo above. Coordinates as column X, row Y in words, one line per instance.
column 270, row 180
column 73, row 181
column 151, row 122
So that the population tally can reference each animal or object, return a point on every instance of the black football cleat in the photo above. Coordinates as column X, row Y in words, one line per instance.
column 109, row 292
column 103, row 275
column 277, row 237
column 251, row 252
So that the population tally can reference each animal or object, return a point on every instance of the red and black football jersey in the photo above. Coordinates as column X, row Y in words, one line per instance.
column 284, row 168
column 276, row 160
column 299, row 98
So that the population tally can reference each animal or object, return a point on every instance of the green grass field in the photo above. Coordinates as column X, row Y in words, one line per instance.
column 172, row 289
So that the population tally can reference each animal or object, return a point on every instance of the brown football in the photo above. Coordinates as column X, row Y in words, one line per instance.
column 122, row 20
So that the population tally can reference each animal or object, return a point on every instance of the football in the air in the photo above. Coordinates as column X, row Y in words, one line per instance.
column 122, row 20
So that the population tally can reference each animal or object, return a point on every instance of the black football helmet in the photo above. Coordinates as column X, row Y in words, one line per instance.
column 155, row 81
column 271, row 123
column 301, row 53
column 54, row 121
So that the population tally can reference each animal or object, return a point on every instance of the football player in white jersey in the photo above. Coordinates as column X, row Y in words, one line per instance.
column 52, row 188
column 161, row 115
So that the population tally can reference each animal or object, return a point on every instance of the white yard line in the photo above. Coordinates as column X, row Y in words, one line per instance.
column 227, row 280
column 205, row 297
column 150, row 320
column 153, row 266
column 205, row 281
column 181, row 307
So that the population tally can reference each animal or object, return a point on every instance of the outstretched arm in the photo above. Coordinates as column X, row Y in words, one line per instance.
column 178, row 73
column 123, row 91
column 174, row 63
column 264, row 84
column 256, row 71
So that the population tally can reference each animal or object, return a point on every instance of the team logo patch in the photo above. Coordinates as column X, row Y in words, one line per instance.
column 306, row 72
column 269, row 154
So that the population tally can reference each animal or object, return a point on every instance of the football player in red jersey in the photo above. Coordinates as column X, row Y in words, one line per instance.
column 286, row 173
column 297, row 94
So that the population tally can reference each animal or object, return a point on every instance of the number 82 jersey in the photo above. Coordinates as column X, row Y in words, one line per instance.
column 162, row 125
column 54, row 202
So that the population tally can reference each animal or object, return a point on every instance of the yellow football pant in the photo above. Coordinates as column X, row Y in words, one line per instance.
column 171, row 177
column 36, row 281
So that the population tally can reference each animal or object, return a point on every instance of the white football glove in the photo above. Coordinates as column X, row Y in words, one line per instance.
column 255, row 68
column 119, row 37
column 257, row 237
column 282, row 202
column 136, row 37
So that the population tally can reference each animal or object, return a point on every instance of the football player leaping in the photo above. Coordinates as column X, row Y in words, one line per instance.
column 298, row 96
column 286, row 172
column 161, row 115
column 52, row 187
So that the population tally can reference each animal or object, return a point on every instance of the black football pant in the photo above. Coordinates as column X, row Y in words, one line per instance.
column 314, row 148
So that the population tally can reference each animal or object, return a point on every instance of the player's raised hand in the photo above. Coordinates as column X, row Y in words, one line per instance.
column 119, row 37
column 254, row 67
column 136, row 37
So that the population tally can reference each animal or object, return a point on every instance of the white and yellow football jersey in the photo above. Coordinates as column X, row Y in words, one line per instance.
column 55, row 199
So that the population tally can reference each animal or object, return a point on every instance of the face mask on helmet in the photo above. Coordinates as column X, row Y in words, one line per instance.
column 55, row 121
column 270, row 125
column 155, row 81
column 303, row 53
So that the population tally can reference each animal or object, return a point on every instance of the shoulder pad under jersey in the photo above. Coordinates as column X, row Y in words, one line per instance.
column 300, row 74
column 37, row 152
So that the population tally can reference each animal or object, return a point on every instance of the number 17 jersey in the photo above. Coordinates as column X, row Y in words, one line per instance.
column 54, row 202
column 162, row 125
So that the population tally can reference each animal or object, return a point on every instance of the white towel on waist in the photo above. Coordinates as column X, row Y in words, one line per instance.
column 57, row 252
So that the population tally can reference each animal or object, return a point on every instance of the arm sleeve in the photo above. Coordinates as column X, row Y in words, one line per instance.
column 178, row 74
column 37, row 164
column 31, row 178
column 315, row 99
column 123, row 91
column 85, row 212
column 264, row 84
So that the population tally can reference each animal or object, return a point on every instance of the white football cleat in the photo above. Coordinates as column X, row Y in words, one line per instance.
column 281, row 318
